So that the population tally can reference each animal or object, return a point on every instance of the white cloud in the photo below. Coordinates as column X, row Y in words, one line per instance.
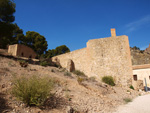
column 138, row 23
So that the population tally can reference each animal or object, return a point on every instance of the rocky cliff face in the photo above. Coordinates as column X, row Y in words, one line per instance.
column 148, row 49
column 139, row 57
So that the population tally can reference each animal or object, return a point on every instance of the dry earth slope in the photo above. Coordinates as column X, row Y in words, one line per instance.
column 89, row 96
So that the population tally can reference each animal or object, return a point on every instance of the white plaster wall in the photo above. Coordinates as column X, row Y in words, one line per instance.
column 141, row 74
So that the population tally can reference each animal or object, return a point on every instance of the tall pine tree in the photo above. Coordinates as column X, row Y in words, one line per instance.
column 7, row 9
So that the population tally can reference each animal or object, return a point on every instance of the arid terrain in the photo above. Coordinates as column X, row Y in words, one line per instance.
column 69, row 95
column 139, row 57
column 139, row 105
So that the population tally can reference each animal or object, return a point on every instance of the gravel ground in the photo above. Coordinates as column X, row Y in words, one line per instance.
column 138, row 105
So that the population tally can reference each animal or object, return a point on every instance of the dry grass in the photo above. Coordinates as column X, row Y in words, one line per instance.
column 32, row 90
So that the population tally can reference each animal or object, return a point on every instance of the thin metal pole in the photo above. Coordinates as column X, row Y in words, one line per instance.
column 145, row 85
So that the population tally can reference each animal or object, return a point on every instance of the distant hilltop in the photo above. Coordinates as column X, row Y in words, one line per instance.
column 148, row 49
column 140, row 56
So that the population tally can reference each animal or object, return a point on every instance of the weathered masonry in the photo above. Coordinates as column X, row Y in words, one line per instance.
column 21, row 50
column 103, row 57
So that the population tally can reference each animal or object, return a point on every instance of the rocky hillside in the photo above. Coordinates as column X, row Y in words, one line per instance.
column 139, row 56
column 69, row 95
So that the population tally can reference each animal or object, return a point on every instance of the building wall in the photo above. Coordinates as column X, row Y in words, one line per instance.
column 103, row 57
column 111, row 57
column 21, row 50
column 25, row 51
column 12, row 49
column 79, row 57
column 142, row 74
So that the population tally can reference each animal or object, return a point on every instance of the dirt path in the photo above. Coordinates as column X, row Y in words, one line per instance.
column 140, row 104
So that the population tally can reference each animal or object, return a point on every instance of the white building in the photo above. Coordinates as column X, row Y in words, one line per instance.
column 141, row 73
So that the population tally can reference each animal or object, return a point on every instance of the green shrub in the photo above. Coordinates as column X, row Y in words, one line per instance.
column 131, row 87
column 79, row 73
column 44, row 63
column 108, row 80
column 127, row 100
column 32, row 90
column 80, row 80
column 67, row 74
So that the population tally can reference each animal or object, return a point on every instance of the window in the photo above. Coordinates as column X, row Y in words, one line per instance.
column 135, row 77
column 22, row 54
column 30, row 56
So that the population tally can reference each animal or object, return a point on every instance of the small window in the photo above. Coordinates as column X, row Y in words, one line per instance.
column 30, row 56
column 22, row 54
column 135, row 77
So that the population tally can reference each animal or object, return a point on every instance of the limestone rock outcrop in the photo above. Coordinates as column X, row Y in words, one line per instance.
column 148, row 49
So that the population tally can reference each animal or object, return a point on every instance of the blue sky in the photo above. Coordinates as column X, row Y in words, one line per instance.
column 74, row 22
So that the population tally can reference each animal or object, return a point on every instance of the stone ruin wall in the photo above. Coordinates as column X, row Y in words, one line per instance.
column 12, row 49
column 27, row 51
column 103, row 57
column 111, row 57
column 21, row 50
column 79, row 57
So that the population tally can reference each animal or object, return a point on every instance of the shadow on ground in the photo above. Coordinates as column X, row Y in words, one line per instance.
column 55, row 102
column 4, row 104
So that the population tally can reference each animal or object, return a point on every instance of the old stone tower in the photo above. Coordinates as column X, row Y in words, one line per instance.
column 103, row 57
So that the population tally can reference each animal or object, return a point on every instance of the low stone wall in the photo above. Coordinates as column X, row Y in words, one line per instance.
column 79, row 57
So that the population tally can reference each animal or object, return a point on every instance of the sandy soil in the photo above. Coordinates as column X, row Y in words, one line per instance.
column 138, row 105
column 90, row 96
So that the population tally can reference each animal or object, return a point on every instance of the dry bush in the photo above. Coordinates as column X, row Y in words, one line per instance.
column 54, row 101
column 67, row 74
column 79, row 73
column 44, row 63
column 80, row 80
column 32, row 90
